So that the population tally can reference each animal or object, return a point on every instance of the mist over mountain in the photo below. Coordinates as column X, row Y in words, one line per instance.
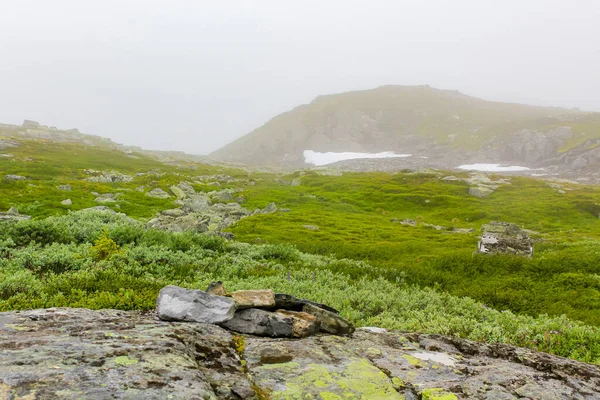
column 439, row 128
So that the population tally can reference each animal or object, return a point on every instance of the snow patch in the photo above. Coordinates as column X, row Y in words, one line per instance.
column 319, row 159
column 492, row 168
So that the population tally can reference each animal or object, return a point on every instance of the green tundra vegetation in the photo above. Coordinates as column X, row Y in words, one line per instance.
column 360, row 260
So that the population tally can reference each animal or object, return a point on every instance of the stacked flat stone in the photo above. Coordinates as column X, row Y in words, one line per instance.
column 253, row 312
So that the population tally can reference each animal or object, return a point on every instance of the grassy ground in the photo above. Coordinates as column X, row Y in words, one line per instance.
column 354, row 213
column 358, row 248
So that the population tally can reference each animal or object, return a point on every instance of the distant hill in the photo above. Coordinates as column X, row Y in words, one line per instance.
column 443, row 125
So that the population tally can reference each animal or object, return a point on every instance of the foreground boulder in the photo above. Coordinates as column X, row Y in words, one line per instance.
column 109, row 354
column 179, row 304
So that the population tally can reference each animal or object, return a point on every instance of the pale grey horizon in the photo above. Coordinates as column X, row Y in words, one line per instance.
column 195, row 75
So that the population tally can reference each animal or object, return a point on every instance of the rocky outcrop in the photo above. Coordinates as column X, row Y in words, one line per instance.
column 504, row 238
column 201, row 212
column 216, row 306
column 107, row 176
column 158, row 193
column 78, row 353
column 13, row 215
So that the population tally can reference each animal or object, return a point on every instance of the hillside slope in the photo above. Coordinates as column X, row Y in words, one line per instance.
column 443, row 125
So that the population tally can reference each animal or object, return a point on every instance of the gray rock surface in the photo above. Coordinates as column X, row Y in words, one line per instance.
column 158, row 193
column 106, row 198
column 15, row 177
column 253, row 321
column 329, row 321
column 13, row 215
column 504, row 238
column 289, row 302
column 109, row 354
column 179, row 304
column 66, row 202
column 480, row 191
column 65, row 188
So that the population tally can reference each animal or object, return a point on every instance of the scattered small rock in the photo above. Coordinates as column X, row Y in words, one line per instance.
column 504, row 238
column 66, row 202
column 158, row 193
column 65, row 188
column 106, row 198
column 180, row 194
column 480, row 191
column 311, row 227
column 13, row 215
column 269, row 209
column 15, row 178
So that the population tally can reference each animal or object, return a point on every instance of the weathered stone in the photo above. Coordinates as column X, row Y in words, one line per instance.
column 15, row 178
column 254, row 321
column 289, row 302
column 505, row 238
column 106, row 198
column 178, row 192
column 179, row 304
column 480, row 191
column 66, row 188
column 13, row 215
column 66, row 202
column 174, row 212
column 108, row 176
column 79, row 353
column 197, row 203
column 158, row 193
column 270, row 208
column 311, row 227
column 109, row 354
column 330, row 322
column 187, row 188
column 303, row 324
column 254, row 298
column 216, row 288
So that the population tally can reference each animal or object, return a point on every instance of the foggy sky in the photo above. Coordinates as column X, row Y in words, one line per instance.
column 194, row 75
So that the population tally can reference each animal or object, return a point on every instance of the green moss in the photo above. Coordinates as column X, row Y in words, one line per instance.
column 125, row 361
column 414, row 361
column 358, row 380
column 437, row 394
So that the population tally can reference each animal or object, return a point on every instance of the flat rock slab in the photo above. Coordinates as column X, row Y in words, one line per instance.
column 289, row 302
column 253, row 321
column 303, row 324
column 109, row 354
column 330, row 322
column 254, row 298
column 179, row 304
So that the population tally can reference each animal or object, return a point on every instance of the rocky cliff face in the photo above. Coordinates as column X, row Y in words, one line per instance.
column 109, row 354
column 440, row 128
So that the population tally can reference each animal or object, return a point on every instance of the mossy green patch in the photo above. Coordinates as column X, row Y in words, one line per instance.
column 437, row 394
column 125, row 361
column 359, row 379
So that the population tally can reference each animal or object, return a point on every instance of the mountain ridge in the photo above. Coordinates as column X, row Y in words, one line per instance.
column 442, row 125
